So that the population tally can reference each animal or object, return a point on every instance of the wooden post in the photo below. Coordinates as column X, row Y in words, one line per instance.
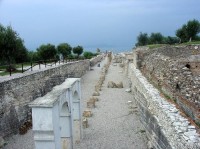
column 39, row 65
column 31, row 66
column 22, row 68
column 10, row 69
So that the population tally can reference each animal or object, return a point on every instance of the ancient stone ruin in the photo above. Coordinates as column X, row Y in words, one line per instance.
column 57, row 118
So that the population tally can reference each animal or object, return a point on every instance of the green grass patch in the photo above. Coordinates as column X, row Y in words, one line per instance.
column 152, row 46
column 190, row 43
column 4, row 73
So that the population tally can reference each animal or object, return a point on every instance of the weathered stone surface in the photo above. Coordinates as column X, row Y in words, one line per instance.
column 91, row 104
column 87, row 113
column 111, row 84
column 2, row 142
column 93, row 98
column 96, row 93
column 85, row 123
column 128, row 90
column 119, row 85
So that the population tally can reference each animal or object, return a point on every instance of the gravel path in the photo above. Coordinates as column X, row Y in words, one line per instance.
column 111, row 126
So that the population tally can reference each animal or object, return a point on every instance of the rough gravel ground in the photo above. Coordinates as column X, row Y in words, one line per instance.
column 111, row 126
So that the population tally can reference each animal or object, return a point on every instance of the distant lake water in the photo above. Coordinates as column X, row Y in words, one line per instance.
column 113, row 49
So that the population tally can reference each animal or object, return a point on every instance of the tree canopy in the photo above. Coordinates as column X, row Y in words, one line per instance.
column 78, row 50
column 47, row 51
column 142, row 39
column 88, row 54
column 12, row 48
column 156, row 38
column 64, row 49
column 189, row 31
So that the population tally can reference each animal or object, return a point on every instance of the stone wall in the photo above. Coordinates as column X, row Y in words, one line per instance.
column 175, row 71
column 166, row 109
column 165, row 126
column 96, row 59
column 17, row 92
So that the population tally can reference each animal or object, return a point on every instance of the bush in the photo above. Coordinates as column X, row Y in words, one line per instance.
column 88, row 54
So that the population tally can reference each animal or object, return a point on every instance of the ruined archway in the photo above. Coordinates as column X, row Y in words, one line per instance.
column 65, row 126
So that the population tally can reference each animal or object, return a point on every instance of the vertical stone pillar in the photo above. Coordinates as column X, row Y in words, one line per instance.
column 44, row 136
column 76, row 114
column 66, row 127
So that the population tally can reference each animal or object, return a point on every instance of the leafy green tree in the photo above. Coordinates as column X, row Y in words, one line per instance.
column 46, row 52
column 88, row 54
column 22, row 54
column 78, row 50
column 142, row 39
column 182, row 34
column 193, row 28
column 189, row 31
column 171, row 40
column 64, row 49
column 12, row 48
column 156, row 38
column 33, row 56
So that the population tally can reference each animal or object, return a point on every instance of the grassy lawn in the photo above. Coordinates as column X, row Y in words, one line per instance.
column 152, row 46
column 190, row 43
column 4, row 73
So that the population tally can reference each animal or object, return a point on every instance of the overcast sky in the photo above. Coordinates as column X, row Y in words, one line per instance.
column 94, row 23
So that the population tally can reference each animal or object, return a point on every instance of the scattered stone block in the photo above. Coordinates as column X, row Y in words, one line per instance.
column 87, row 113
column 96, row 93
column 128, row 90
column 97, row 88
column 111, row 84
column 85, row 123
column 119, row 85
column 91, row 104
column 94, row 99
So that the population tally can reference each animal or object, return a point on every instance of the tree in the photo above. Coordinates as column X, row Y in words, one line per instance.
column 47, row 52
column 181, row 34
column 88, row 54
column 171, row 40
column 22, row 54
column 189, row 31
column 64, row 49
column 193, row 28
column 142, row 39
column 11, row 46
column 156, row 38
column 33, row 56
column 78, row 50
